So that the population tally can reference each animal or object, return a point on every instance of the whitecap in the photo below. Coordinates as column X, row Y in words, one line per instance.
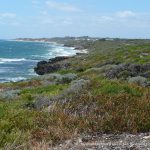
column 5, row 60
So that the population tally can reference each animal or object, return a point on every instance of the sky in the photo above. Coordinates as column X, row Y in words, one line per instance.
column 58, row 18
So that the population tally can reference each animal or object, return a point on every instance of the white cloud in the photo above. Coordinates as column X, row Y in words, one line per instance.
column 44, row 12
column 106, row 18
column 35, row 2
column 67, row 21
column 55, row 21
column 7, row 15
column 9, row 19
column 117, row 17
column 62, row 6
column 125, row 14
column 47, row 21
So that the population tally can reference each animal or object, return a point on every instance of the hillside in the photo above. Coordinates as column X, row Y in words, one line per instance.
column 104, row 92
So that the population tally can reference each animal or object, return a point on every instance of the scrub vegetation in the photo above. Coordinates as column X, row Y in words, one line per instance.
column 81, row 99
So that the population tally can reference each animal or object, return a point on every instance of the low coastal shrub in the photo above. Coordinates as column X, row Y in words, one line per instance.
column 10, row 94
column 66, row 71
column 42, row 102
column 51, row 89
column 56, row 78
column 78, row 85
column 100, row 70
column 141, row 81
column 112, row 87
column 66, row 78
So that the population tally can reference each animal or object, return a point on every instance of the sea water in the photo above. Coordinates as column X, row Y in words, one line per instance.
column 18, row 58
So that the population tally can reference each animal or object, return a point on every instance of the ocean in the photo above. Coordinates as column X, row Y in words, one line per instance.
column 18, row 58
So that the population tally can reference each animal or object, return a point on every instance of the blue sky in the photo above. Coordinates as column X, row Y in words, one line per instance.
column 98, row 18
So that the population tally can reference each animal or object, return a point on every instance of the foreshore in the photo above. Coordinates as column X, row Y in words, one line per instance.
column 44, row 67
column 80, row 49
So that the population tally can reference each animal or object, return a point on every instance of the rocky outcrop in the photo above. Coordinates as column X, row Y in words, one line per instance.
column 53, row 65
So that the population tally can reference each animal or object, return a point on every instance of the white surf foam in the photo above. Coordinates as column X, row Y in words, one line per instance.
column 61, row 51
column 5, row 60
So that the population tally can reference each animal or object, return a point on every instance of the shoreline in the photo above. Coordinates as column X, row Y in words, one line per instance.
column 56, row 43
column 77, row 53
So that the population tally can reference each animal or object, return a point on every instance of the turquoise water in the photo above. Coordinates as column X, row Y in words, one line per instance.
column 17, row 59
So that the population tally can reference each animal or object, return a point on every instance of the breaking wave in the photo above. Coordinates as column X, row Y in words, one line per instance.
column 6, row 60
